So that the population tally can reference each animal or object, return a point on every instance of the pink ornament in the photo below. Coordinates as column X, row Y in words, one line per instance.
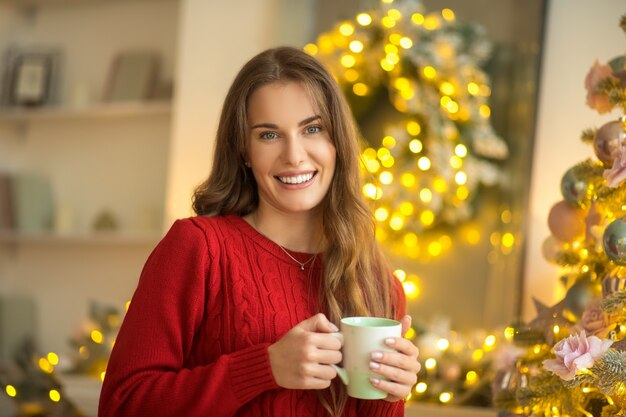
column 595, row 321
column 596, row 100
column 566, row 222
column 617, row 173
column 576, row 353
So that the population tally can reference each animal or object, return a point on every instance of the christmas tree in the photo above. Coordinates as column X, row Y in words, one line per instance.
column 415, row 84
column 30, row 382
column 571, row 359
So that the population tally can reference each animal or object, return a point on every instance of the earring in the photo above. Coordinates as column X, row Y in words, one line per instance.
column 247, row 164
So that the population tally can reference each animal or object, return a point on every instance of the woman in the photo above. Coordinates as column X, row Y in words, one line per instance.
column 235, row 308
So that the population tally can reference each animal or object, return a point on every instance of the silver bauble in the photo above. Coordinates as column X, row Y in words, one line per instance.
column 578, row 296
column 614, row 241
column 575, row 190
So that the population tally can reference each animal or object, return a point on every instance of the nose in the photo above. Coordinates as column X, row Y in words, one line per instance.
column 294, row 152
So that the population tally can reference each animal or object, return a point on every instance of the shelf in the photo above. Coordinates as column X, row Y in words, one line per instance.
column 96, row 111
column 119, row 238
column 56, row 3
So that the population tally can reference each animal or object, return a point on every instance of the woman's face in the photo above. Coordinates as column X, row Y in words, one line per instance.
column 289, row 150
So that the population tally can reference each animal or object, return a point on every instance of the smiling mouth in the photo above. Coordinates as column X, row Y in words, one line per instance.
column 297, row 179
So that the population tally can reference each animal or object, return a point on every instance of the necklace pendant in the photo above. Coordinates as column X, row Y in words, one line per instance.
column 301, row 267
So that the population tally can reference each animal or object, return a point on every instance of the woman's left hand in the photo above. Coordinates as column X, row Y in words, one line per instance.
column 399, row 367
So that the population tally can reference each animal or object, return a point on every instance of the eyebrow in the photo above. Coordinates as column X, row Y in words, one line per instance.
column 273, row 126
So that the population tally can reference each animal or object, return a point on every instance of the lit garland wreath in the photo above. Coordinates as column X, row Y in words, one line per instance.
column 435, row 143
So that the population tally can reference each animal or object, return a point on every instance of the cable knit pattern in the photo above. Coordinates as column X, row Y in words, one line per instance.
column 213, row 295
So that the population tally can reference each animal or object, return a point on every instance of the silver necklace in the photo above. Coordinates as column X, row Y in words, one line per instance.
column 302, row 265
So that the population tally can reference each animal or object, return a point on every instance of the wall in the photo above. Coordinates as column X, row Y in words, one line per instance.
column 209, row 57
column 578, row 33
column 92, row 163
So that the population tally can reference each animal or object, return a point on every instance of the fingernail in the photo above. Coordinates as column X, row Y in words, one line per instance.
column 374, row 365
column 390, row 341
column 335, row 328
column 375, row 381
column 377, row 355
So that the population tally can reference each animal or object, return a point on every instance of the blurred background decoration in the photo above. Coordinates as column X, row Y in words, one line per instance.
column 415, row 82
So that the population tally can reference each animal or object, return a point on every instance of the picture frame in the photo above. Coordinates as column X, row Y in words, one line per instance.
column 31, row 80
column 30, row 76
column 132, row 77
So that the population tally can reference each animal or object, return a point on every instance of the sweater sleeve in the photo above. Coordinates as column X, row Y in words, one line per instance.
column 382, row 408
column 146, row 374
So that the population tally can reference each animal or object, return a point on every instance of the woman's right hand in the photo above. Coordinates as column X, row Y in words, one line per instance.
column 301, row 358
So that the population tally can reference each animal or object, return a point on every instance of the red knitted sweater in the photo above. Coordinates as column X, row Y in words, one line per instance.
column 213, row 295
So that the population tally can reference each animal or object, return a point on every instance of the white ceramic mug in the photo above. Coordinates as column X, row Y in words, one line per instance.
column 360, row 337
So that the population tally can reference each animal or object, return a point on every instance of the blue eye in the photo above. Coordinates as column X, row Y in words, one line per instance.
column 313, row 129
column 269, row 135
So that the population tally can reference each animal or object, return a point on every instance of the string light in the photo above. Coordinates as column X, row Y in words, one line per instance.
column 406, row 43
column 417, row 19
column 445, row 397
column 356, row 46
column 360, row 89
column 509, row 333
column 423, row 163
column 429, row 72
column 416, row 146
column 97, row 336
column 348, row 61
column 346, row 29
column 413, row 128
column 364, row 19
column 53, row 358
column 55, row 395
column 410, row 289
column 471, row 377
column 311, row 49
column 448, row 15
column 443, row 344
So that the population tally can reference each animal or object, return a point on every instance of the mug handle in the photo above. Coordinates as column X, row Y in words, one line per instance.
column 343, row 374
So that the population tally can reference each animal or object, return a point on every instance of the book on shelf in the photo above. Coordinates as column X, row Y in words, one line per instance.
column 26, row 203
column 6, row 210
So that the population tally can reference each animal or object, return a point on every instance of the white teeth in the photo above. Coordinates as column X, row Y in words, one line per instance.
column 298, row 179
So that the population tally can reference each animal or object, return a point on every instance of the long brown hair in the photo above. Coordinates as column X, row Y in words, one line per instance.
column 356, row 279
